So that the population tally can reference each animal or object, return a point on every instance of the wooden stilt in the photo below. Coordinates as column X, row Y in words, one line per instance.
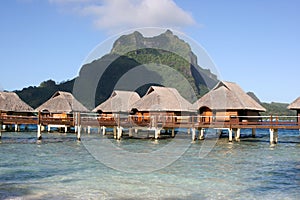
column 119, row 133
column 66, row 129
column 49, row 129
column 136, row 131
column 201, row 136
column 173, row 132
column 103, row 130
column 237, row 134
column 89, row 129
column 273, row 136
column 115, row 132
column 39, row 132
column 230, row 134
column 253, row 132
column 193, row 134
column 79, row 132
column 157, row 133
column 16, row 127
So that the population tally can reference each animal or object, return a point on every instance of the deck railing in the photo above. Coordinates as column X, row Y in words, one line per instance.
column 94, row 119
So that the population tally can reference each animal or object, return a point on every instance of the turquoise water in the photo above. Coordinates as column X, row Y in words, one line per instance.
column 59, row 167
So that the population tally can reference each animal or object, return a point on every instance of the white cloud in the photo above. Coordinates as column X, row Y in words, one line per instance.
column 123, row 14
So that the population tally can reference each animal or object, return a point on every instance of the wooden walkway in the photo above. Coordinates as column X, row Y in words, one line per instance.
column 156, row 124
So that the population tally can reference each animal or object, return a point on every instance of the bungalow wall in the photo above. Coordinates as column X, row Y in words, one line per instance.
column 168, row 117
column 206, row 115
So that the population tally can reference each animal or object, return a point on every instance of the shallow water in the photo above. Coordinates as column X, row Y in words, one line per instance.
column 60, row 167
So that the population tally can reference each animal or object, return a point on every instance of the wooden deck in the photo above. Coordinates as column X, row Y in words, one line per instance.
column 156, row 123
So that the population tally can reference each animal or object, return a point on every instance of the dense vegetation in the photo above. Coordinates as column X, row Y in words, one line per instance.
column 278, row 109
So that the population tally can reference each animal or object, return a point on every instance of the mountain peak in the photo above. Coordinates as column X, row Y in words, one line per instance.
column 166, row 41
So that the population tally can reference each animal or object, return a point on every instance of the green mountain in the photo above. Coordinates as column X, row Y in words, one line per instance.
column 134, row 63
column 278, row 109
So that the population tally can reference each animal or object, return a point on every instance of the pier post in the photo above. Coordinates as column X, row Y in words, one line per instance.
column 115, row 132
column 79, row 132
column 89, row 129
column 193, row 134
column 16, row 128
column 130, row 132
column 157, row 133
column 201, row 136
column 273, row 136
column 253, row 132
column 103, row 130
column 66, row 129
column 237, row 134
column 49, row 129
column 119, row 133
column 173, row 132
column 230, row 134
column 39, row 131
column 78, row 125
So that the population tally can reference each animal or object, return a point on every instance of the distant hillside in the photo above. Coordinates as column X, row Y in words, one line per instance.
column 35, row 96
column 129, row 52
column 278, row 109
column 274, row 108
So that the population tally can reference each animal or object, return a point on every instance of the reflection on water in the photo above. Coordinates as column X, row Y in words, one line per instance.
column 59, row 167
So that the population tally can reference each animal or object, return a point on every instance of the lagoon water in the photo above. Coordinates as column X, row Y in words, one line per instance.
column 60, row 167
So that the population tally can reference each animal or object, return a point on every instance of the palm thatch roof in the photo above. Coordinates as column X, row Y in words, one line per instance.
column 159, row 99
column 118, row 102
column 228, row 96
column 295, row 105
column 62, row 102
column 10, row 101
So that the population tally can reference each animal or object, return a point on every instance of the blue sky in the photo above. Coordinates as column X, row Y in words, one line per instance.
column 254, row 43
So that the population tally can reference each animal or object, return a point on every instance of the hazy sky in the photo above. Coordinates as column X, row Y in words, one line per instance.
column 255, row 43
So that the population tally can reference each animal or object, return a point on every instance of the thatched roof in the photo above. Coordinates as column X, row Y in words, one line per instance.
column 295, row 105
column 119, row 101
column 62, row 102
column 228, row 96
column 10, row 101
column 161, row 99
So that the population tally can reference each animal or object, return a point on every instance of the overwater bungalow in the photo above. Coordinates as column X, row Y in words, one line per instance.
column 227, row 102
column 295, row 105
column 12, row 107
column 11, row 104
column 164, row 103
column 119, row 102
column 61, row 105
